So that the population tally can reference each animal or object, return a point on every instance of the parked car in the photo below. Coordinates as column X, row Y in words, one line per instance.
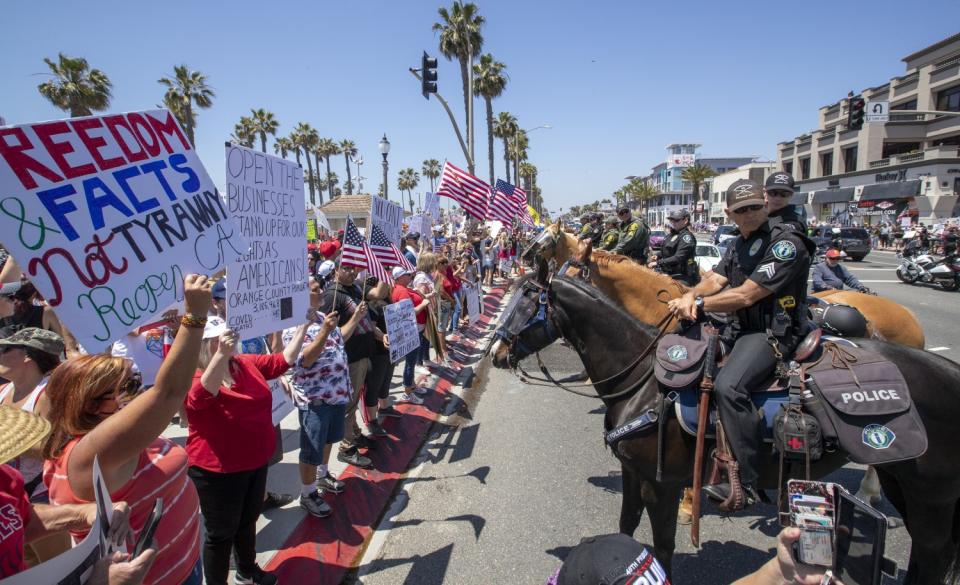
column 656, row 239
column 856, row 241
column 707, row 256
column 723, row 233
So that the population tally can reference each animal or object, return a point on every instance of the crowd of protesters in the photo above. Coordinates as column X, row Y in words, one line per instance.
column 113, row 407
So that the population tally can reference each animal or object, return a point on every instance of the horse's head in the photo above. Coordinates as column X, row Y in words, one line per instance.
column 526, row 325
column 544, row 245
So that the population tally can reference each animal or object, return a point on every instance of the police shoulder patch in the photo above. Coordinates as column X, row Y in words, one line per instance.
column 784, row 250
column 688, row 238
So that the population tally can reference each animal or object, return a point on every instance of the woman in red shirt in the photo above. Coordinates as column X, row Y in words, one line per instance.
column 401, row 290
column 230, row 441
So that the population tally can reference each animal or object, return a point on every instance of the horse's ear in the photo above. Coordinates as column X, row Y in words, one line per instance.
column 584, row 250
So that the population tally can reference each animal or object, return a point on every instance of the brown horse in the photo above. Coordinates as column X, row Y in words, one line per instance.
column 623, row 281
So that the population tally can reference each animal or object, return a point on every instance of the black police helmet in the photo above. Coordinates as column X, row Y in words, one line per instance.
column 844, row 320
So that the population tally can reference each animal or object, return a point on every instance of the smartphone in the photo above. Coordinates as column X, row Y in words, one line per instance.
column 146, row 535
column 860, row 534
column 812, row 510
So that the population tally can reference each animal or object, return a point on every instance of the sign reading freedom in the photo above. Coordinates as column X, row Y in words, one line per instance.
column 267, row 286
column 107, row 214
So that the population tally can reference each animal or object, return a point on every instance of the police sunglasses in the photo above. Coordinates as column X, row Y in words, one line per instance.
column 747, row 208
column 780, row 193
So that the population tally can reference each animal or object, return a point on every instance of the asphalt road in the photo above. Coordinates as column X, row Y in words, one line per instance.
column 503, row 497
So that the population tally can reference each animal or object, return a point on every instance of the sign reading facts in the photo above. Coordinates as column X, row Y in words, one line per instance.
column 106, row 214
column 267, row 286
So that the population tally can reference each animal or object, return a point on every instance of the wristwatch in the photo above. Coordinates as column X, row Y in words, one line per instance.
column 698, row 302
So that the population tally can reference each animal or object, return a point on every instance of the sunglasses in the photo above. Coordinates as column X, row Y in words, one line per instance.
column 5, row 348
column 127, row 391
column 780, row 193
column 747, row 208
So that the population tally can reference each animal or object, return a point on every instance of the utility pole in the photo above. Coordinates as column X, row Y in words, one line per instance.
column 453, row 120
column 470, row 140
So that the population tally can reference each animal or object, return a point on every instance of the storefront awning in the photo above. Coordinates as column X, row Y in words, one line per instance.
column 799, row 198
column 894, row 190
column 833, row 195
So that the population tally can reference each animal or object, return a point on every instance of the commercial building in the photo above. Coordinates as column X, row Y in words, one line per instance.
column 908, row 167
column 715, row 188
column 672, row 191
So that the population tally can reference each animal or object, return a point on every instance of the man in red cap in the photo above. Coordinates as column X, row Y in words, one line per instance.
column 329, row 249
column 830, row 274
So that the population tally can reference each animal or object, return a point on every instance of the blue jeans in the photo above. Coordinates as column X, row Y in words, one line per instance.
column 196, row 576
column 457, row 309
column 413, row 358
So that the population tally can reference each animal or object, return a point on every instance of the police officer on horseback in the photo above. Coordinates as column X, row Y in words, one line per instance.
column 611, row 234
column 678, row 254
column 634, row 236
column 778, row 190
column 766, row 268
column 592, row 228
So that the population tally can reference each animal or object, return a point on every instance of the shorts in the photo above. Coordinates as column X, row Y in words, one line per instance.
column 321, row 424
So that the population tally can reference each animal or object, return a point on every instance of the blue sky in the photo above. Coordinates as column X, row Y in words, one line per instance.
column 617, row 81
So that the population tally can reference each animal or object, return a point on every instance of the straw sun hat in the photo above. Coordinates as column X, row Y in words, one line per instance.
column 19, row 430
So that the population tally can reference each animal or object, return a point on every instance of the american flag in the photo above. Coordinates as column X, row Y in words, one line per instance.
column 470, row 192
column 354, row 251
column 386, row 251
column 506, row 202
column 525, row 217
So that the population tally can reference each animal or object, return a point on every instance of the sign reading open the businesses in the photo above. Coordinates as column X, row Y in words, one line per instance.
column 106, row 214
column 266, row 287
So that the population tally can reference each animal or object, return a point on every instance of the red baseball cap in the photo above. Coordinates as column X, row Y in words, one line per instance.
column 832, row 253
column 328, row 249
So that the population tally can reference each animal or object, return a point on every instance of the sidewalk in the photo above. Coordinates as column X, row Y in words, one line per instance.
column 301, row 548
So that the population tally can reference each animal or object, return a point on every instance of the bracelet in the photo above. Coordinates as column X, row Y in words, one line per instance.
column 193, row 322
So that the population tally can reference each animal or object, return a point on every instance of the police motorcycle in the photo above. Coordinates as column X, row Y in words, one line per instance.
column 918, row 265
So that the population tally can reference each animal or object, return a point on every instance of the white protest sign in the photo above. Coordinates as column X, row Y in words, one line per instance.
column 402, row 329
column 107, row 214
column 474, row 307
column 74, row 566
column 282, row 405
column 419, row 223
column 267, row 287
column 388, row 216
column 321, row 219
column 432, row 205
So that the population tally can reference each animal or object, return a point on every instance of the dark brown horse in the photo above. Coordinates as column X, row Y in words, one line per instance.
column 925, row 491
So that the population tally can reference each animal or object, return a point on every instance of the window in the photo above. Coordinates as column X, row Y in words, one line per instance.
column 948, row 141
column 850, row 159
column 826, row 164
column 788, row 167
column 805, row 168
column 895, row 148
column 907, row 105
column 948, row 100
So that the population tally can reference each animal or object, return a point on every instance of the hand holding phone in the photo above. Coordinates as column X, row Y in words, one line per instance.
column 146, row 535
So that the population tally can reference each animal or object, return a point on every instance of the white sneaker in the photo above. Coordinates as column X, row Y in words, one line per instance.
column 421, row 370
column 411, row 398
column 420, row 390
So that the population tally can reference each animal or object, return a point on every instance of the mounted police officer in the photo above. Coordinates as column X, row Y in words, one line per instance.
column 611, row 234
column 634, row 236
column 592, row 228
column 766, row 267
column 678, row 255
column 778, row 190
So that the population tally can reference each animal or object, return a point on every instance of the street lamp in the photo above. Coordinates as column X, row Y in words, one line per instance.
column 358, row 160
column 385, row 150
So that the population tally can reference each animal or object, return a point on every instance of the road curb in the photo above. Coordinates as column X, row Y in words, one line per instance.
column 325, row 551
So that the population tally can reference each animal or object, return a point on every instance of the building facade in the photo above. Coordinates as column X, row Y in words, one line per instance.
column 675, row 193
column 908, row 167
column 716, row 187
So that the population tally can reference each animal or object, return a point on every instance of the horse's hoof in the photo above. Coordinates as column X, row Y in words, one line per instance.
column 684, row 518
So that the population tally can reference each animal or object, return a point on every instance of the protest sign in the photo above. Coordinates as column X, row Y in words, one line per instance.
column 322, row 220
column 311, row 229
column 419, row 223
column 282, row 405
column 74, row 566
column 388, row 216
column 266, row 287
column 107, row 214
column 474, row 306
column 402, row 329
column 432, row 206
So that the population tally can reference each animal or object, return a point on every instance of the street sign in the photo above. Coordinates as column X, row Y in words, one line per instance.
column 878, row 111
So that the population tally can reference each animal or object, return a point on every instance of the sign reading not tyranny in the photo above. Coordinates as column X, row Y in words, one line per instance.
column 267, row 287
column 106, row 214
column 388, row 216
column 401, row 328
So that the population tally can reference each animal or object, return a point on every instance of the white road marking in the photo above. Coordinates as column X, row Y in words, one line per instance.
column 938, row 349
column 862, row 280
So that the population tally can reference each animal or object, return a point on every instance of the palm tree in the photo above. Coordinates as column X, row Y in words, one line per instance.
column 305, row 138
column 282, row 146
column 331, row 184
column 176, row 108
column 460, row 38
column 407, row 180
column 642, row 192
column 349, row 150
column 244, row 132
column 188, row 88
column 264, row 123
column 504, row 127
column 431, row 169
column 697, row 174
column 489, row 82
column 529, row 173
column 326, row 147
column 518, row 152
column 76, row 88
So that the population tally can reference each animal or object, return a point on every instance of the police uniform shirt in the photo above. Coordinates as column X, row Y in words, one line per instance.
column 677, row 250
column 778, row 263
column 790, row 217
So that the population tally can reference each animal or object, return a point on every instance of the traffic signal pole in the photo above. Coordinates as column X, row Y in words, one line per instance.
column 453, row 120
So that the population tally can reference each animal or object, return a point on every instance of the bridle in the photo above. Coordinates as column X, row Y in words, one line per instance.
column 543, row 317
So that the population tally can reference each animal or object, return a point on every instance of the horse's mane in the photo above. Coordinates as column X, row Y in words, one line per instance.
column 597, row 296
column 606, row 259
